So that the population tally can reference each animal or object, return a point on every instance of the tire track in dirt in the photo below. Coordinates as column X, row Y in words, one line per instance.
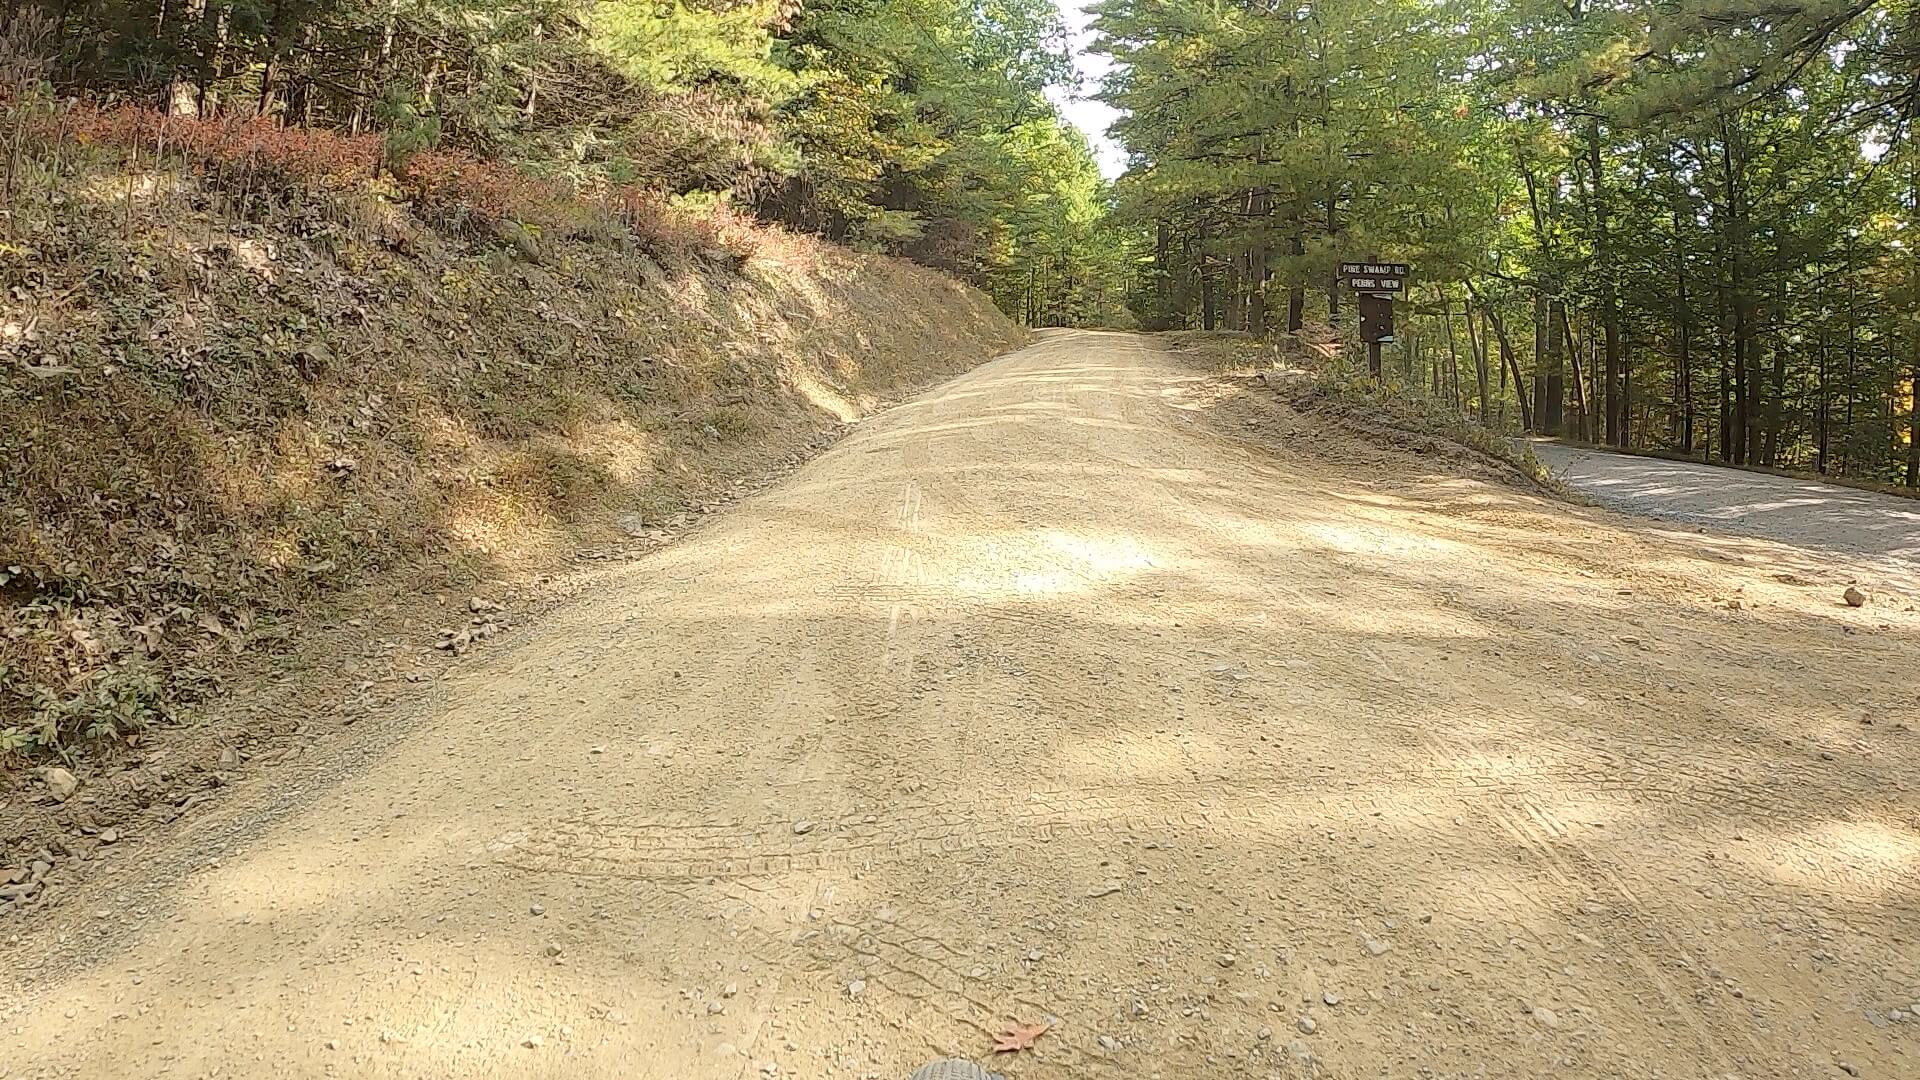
column 1519, row 816
column 1037, row 698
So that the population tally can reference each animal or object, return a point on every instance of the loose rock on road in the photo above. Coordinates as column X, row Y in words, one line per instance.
column 1029, row 703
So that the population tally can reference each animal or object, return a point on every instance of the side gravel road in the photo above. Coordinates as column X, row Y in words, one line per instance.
column 1804, row 513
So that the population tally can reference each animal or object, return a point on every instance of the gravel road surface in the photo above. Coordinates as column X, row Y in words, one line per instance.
column 1804, row 513
column 1088, row 696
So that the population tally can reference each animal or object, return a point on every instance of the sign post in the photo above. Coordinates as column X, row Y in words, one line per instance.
column 1377, row 283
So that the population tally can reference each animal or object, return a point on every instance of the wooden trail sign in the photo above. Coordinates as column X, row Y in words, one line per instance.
column 1377, row 283
column 1383, row 279
column 1376, row 319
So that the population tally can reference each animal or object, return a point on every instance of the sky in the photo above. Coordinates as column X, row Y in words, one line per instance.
column 1089, row 116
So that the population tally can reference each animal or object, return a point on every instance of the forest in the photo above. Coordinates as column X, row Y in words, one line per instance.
column 1682, row 225
column 1674, row 225
column 916, row 127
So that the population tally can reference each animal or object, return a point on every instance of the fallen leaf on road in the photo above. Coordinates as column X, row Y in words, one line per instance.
column 1018, row 1037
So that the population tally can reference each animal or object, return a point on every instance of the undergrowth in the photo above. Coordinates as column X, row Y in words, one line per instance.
column 1411, row 408
column 259, row 161
column 247, row 370
column 1325, row 382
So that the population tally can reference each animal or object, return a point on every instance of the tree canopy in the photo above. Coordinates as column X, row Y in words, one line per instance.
column 919, row 127
column 1677, row 225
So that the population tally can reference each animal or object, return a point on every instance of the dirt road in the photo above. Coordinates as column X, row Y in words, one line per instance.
column 1824, row 517
column 1085, row 689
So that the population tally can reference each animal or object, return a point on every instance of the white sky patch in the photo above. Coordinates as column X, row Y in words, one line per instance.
column 1084, row 113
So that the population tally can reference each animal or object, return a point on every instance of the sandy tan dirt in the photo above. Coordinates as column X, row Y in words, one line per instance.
column 1088, row 687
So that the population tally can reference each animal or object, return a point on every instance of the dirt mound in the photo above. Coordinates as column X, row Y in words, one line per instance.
column 231, row 421
column 1353, row 419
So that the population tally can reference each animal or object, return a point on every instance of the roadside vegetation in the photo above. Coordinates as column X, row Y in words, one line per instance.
column 1686, row 227
column 1307, row 376
column 275, row 332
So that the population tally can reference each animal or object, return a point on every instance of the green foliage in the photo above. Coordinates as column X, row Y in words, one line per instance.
column 675, row 47
column 917, row 127
column 407, row 131
column 1648, row 224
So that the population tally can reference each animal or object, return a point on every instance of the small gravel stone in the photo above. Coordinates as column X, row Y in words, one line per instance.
column 537, row 909
column 1330, row 998
column 109, row 836
column 730, row 989
column 61, row 784
column 856, row 987
column 1376, row 947
column 1307, row 1025
column 1854, row 597
column 802, row 827
column 533, row 1042
column 333, row 1044
column 1546, row 1016
column 1227, row 960
column 1109, row 1043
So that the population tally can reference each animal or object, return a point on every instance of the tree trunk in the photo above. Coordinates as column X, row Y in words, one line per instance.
column 1236, row 312
column 1206, row 280
column 1480, row 346
column 1543, row 350
column 1257, row 269
column 1776, row 390
column 1453, row 349
column 1820, row 392
column 1683, row 363
column 533, row 77
column 1739, row 432
column 1297, row 295
column 1512, row 360
column 1162, row 273
column 1913, row 418
column 1613, row 400
column 183, row 93
column 1581, row 412
column 1913, row 369
column 1569, row 358
column 1333, row 277
column 1556, row 409
column 1853, row 357
column 269, row 74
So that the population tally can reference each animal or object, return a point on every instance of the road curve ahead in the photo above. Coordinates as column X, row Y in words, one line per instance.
column 1804, row 513
column 1085, row 691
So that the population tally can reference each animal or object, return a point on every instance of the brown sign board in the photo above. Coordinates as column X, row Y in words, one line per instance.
column 1385, row 278
column 1375, row 269
column 1362, row 283
column 1376, row 318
